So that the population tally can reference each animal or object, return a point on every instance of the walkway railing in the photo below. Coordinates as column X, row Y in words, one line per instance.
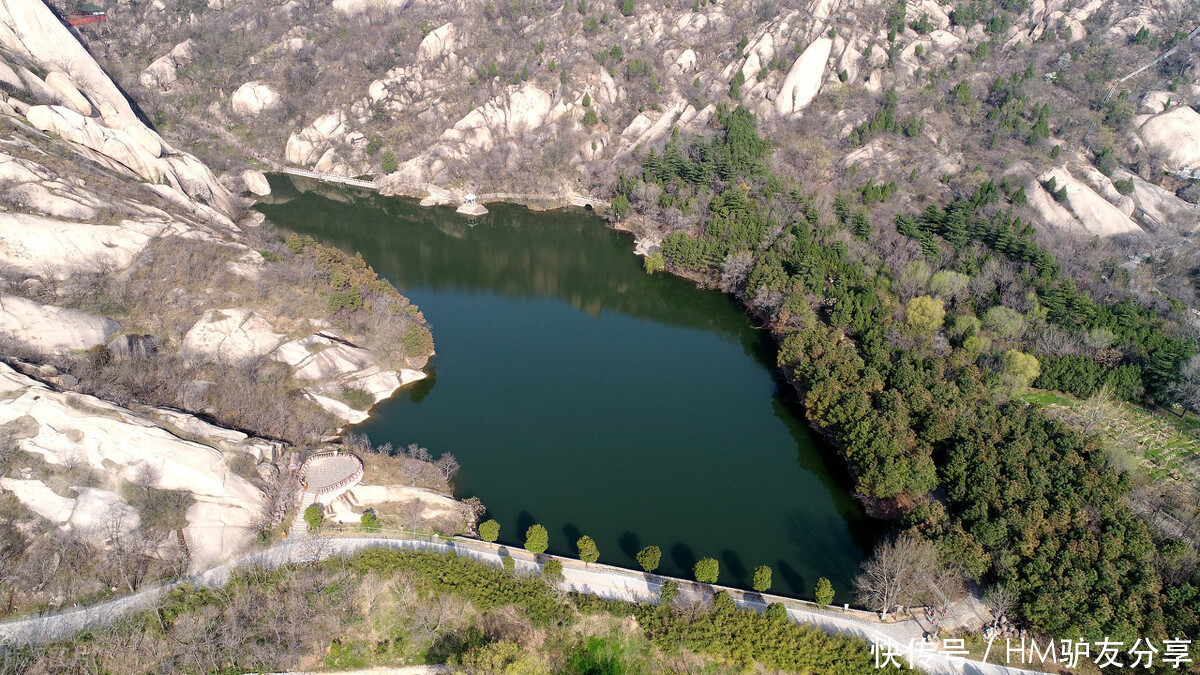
column 329, row 178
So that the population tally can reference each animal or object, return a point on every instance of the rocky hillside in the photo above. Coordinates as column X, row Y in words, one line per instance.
column 537, row 96
column 166, row 359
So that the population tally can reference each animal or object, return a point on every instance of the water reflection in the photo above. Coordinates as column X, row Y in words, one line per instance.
column 580, row 393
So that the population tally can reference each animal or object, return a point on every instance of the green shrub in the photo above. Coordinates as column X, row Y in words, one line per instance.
column 649, row 557
column 925, row 314
column 620, row 206
column 627, row 8
column 653, row 262
column 349, row 300
column 489, row 530
column 483, row 585
column 762, row 579
column 417, row 340
column 588, row 552
column 388, row 162
column 553, row 570
column 590, row 118
column 359, row 399
column 823, row 592
column 374, row 145
column 370, row 522
column 706, row 570
column 537, row 539
column 776, row 613
column 313, row 516
column 294, row 242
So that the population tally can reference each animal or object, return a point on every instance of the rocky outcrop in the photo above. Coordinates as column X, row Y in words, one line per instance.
column 49, row 248
column 91, row 512
column 803, row 81
column 67, row 89
column 256, row 182
column 308, row 147
column 229, row 336
column 30, row 29
column 439, row 44
column 161, row 73
column 1094, row 212
column 52, row 330
column 252, row 98
column 65, row 429
column 78, row 102
column 522, row 110
column 335, row 366
column 1175, row 133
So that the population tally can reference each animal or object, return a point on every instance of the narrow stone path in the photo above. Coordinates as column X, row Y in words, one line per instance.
column 299, row 529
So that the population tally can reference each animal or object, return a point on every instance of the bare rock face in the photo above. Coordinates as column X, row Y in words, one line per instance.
column 439, row 44
column 29, row 28
column 335, row 366
column 803, row 81
column 115, row 144
column 63, row 85
column 49, row 248
column 160, row 74
column 307, row 147
column 256, row 182
column 229, row 336
column 52, row 330
column 68, row 428
column 1177, row 134
column 1155, row 102
column 252, row 98
column 1048, row 210
column 87, row 110
column 1094, row 212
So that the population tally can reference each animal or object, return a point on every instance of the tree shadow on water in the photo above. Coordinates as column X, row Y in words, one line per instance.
column 525, row 520
column 793, row 580
column 573, row 533
column 684, row 558
column 630, row 544
column 731, row 565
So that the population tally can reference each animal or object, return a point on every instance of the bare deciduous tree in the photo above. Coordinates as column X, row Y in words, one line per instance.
column 999, row 600
column 903, row 571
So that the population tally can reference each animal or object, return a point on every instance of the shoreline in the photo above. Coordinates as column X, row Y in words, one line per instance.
column 430, row 194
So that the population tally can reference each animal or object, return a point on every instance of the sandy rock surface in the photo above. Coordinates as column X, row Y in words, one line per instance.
column 52, row 330
column 1177, row 134
column 46, row 247
column 803, row 81
column 229, row 336
column 71, row 428
column 1094, row 212
column 253, row 98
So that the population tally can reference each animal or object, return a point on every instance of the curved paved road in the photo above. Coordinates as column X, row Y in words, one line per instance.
column 601, row 580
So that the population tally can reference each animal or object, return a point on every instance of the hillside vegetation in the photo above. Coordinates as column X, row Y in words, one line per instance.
column 932, row 206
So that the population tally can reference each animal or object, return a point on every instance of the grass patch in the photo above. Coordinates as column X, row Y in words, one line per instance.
column 359, row 399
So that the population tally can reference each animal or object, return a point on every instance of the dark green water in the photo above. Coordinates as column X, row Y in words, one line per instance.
column 579, row 392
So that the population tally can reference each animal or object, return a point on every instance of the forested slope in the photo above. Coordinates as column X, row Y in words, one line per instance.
column 910, row 371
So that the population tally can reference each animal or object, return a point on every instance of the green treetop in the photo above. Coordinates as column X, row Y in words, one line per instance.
column 537, row 539
column 649, row 558
column 588, row 552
